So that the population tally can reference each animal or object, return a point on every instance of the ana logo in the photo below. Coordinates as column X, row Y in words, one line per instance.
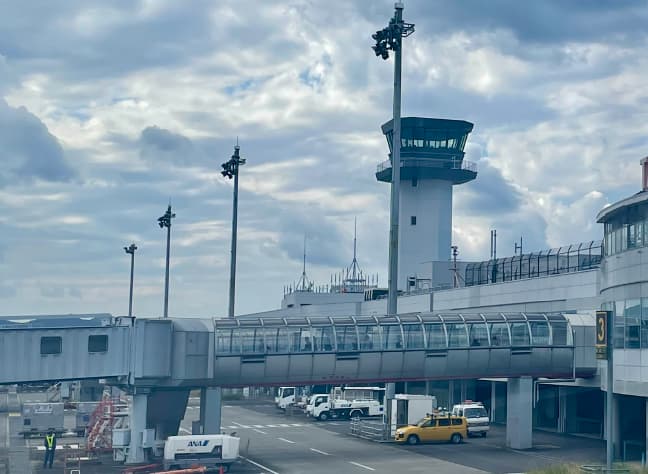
column 198, row 443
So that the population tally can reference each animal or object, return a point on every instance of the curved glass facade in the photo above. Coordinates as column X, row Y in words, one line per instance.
column 630, row 322
column 423, row 331
column 626, row 233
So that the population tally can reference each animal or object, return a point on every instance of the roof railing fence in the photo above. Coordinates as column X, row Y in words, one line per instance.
column 572, row 258
column 424, row 331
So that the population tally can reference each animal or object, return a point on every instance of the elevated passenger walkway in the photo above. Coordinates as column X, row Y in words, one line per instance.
column 175, row 353
column 267, row 351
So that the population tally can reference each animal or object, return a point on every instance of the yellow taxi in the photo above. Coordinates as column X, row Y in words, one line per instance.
column 451, row 429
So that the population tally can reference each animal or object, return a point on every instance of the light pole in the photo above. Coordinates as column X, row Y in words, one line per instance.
column 131, row 250
column 388, row 38
column 231, row 170
column 165, row 221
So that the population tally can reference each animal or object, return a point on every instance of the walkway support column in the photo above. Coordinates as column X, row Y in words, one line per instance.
column 210, row 410
column 519, row 413
column 136, row 453
column 493, row 401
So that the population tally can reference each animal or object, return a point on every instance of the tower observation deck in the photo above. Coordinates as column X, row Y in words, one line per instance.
column 432, row 161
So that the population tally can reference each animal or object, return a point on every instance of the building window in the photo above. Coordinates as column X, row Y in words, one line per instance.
column 51, row 345
column 413, row 220
column 98, row 343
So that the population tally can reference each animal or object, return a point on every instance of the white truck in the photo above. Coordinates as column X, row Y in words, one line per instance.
column 476, row 417
column 210, row 451
column 347, row 402
column 285, row 397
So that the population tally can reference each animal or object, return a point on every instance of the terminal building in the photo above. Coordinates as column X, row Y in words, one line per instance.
column 516, row 333
column 575, row 280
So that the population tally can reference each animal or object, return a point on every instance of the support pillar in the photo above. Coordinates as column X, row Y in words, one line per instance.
column 616, row 427
column 493, row 401
column 136, row 453
column 563, row 410
column 210, row 410
column 519, row 413
column 646, row 440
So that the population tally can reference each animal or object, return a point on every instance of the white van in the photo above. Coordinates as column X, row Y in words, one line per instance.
column 476, row 416
column 210, row 451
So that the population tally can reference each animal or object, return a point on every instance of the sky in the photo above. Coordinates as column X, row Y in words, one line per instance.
column 109, row 110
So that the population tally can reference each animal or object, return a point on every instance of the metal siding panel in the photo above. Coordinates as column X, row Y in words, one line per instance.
column 499, row 362
column 74, row 362
column 435, row 367
column 478, row 361
column 277, row 368
column 369, row 365
column 346, row 369
column 252, row 372
column 227, row 370
column 154, row 343
column 456, row 362
column 301, row 366
column 324, row 366
column 391, row 366
column 413, row 364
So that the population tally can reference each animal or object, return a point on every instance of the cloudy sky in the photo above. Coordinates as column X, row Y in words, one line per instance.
column 108, row 110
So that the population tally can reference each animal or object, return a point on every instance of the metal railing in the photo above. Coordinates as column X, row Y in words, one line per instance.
column 450, row 163
column 369, row 429
column 568, row 259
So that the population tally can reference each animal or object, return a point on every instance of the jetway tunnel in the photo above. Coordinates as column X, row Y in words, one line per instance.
column 155, row 353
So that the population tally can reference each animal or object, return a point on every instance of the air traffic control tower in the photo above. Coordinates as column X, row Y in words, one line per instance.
column 431, row 163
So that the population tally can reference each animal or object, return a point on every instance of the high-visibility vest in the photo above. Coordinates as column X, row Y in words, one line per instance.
column 50, row 441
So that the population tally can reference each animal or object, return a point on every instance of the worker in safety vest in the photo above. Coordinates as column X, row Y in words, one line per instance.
column 50, row 448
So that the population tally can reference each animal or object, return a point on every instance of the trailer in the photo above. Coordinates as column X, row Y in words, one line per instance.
column 40, row 418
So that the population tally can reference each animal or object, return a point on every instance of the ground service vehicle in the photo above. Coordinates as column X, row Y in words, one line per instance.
column 285, row 397
column 434, row 428
column 39, row 418
column 407, row 409
column 347, row 402
column 475, row 413
column 210, row 451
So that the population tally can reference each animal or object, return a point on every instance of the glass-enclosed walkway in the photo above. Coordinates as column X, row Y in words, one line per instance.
column 251, row 351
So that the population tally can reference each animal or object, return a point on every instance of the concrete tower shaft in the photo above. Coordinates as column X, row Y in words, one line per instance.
column 432, row 161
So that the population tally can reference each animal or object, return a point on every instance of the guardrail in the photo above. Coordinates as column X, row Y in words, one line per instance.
column 453, row 164
column 369, row 429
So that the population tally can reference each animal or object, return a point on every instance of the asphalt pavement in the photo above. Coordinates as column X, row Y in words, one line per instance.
column 276, row 443
column 488, row 454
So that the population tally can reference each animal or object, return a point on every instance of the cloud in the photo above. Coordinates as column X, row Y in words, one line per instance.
column 158, row 144
column 112, row 110
column 29, row 150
